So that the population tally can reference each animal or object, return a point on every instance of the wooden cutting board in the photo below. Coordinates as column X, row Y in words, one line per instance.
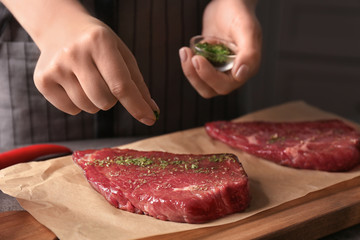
column 312, row 216
column 20, row 225
column 323, row 213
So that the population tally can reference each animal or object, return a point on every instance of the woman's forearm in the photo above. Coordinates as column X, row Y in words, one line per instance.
column 83, row 65
column 42, row 18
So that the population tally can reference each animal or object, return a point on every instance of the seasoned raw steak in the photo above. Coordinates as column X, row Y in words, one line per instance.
column 328, row 145
column 174, row 187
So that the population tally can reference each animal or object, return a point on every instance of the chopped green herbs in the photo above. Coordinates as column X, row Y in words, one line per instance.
column 216, row 53
column 217, row 158
column 152, row 165
column 157, row 115
column 140, row 161
column 194, row 166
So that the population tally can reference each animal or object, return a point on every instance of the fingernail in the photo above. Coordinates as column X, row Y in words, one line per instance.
column 195, row 63
column 242, row 72
column 147, row 121
column 183, row 55
column 154, row 106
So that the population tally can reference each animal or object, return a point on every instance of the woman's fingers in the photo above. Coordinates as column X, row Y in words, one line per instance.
column 77, row 95
column 221, row 83
column 136, row 75
column 83, row 77
column 62, row 89
column 121, row 84
column 235, row 21
column 204, row 77
column 93, row 84
column 246, row 33
column 57, row 96
column 189, row 68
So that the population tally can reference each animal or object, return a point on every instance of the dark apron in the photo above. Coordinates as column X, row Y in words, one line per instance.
column 154, row 30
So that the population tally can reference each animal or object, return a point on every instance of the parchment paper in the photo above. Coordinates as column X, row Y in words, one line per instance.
column 57, row 194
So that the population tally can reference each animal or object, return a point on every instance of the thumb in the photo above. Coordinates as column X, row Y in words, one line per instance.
column 248, row 38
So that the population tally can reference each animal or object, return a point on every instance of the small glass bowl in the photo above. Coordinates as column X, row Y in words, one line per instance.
column 226, row 61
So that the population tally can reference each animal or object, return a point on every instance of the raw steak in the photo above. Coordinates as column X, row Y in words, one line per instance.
column 174, row 187
column 328, row 145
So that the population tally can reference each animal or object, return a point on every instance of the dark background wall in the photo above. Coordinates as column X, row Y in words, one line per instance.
column 311, row 53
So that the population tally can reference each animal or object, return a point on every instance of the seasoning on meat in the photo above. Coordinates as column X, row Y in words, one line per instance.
column 327, row 145
column 176, row 187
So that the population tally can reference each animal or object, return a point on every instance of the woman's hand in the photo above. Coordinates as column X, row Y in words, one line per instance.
column 91, row 69
column 235, row 21
column 83, row 65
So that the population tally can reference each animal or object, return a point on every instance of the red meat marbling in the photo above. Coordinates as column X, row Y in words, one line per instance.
column 175, row 187
column 328, row 145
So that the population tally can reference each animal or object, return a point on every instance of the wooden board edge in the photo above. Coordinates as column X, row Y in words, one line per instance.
column 20, row 225
column 315, row 215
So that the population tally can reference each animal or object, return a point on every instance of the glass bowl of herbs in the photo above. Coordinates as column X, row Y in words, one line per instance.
column 219, row 52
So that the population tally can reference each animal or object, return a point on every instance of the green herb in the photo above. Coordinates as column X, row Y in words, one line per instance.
column 140, row 161
column 157, row 115
column 152, row 166
column 217, row 158
column 177, row 162
column 194, row 165
column 216, row 53
column 163, row 163
column 99, row 163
